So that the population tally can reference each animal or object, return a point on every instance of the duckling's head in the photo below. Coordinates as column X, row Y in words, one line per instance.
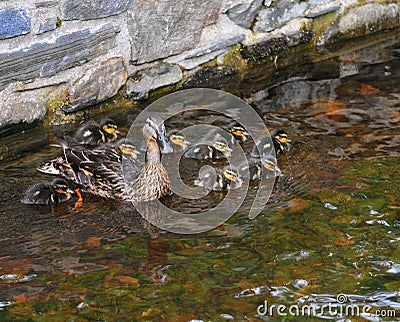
column 280, row 135
column 109, row 127
column 221, row 145
column 270, row 164
column 231, row 174
column 239, row 132
column 154, row 130
column 177, row 138
column 127, row 148
column 61, row 187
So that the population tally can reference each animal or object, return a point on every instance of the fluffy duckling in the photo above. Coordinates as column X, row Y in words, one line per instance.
column 218, row 149
column 92, row 134
column 177, row 141
column 48, row 193
column 279, row 139
column 220, row 180
column 266, row 167
column 238, row 132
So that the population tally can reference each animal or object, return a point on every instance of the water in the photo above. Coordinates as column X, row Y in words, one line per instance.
column 328, row 238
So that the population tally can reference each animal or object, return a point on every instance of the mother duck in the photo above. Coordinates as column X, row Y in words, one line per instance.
column 96, row 172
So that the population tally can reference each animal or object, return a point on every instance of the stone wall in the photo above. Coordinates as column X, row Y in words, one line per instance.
column 81, row 52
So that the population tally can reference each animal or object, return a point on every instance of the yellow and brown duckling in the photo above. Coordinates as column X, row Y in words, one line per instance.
column 47, row 193
column 266, row 167
column 238, row 132
column 279, row 140
column 102, row 175
column 219, row 179
column 177, row 140
column 217, row 149
column 92, row 134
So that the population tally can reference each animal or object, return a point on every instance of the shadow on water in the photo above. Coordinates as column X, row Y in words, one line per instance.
column 330, row 228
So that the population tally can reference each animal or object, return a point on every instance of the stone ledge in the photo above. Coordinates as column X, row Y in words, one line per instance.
column 43, row 59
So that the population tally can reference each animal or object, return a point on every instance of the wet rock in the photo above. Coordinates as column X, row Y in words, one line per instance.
column 214, row 41
column 275, row 45
column 48, row 25
column 87, row 9
column 175, row 27
column 97, row 84
column 361, row 21
column 243, row 14
column 14, row 22
column 213, row 77
column 43, row 59
column 146, row 80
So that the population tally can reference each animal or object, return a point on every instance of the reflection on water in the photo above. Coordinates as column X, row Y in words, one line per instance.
column 331, row 226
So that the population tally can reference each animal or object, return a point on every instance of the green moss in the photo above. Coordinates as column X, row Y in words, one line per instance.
column 58, row 22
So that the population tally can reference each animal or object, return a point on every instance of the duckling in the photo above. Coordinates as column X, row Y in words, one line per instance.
column 223, row 179
column 92, row 134
column 218, row 149
column 177, row 140
column 102, row 175
column 48, row 193
column 266, row 167
column 238, row 132
column 279, row 139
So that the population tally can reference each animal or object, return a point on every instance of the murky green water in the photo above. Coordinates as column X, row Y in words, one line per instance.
column 331, row 226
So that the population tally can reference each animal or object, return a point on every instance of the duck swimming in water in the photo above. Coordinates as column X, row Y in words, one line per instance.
column 103, row 175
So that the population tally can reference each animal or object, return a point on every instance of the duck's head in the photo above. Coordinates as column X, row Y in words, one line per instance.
column 239, row 132
column 61, row 186
column 280, row 136
column 154, row 131
column 177, row 138
column 127, row 148
column 110, row 127
column 270, row 164
column 221, row 145
column 231, row 174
